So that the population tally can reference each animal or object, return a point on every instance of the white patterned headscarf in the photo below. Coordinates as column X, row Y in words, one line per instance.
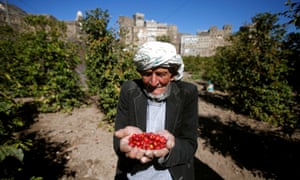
column 158, row 54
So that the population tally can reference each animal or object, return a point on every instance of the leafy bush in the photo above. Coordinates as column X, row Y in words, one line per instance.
column 10, row 145
column 40, row 64
column 108, row 63
column 198, row 66
column 254, row 71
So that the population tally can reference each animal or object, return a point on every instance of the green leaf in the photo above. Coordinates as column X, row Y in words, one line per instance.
column 11, row 150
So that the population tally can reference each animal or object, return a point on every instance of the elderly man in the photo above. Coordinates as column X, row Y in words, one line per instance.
column 160, row 103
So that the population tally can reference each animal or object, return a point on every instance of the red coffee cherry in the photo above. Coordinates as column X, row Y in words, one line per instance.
column 148, row 141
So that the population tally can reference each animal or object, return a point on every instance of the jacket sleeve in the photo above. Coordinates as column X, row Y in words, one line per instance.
column 122, row 116
column 186, row 128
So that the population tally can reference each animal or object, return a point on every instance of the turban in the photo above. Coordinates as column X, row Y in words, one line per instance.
column 158, row 54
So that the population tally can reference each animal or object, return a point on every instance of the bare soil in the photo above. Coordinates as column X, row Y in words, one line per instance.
column 78, row 145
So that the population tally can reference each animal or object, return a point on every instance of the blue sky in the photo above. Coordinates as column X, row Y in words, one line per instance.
column 190, row 16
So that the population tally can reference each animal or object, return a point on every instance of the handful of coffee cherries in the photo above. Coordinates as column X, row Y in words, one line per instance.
column 148, row 141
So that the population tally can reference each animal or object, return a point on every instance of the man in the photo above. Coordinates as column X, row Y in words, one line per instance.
column 160, row 103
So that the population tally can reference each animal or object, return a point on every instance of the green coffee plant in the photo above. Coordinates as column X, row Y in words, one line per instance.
column 108, row 63
column 254, row 71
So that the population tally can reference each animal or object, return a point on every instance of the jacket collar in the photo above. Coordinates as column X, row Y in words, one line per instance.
column 172, row 107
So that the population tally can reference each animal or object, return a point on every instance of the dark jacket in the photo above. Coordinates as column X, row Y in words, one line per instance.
column 181, row 121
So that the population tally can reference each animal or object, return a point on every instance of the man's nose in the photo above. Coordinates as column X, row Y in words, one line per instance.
column 154, row 80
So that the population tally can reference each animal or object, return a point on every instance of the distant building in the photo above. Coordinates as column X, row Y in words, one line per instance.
column 79, row 16
column 204, row 43
column 74, row 28
column 137, row 30
column 11, row 14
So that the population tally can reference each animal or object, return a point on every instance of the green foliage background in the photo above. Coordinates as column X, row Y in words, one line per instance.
column 259, row 71
column 38, row 64
column 108, row 63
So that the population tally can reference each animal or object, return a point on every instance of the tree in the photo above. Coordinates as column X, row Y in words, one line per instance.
column 293, row 13
column 164, row 38
column 108, row 63
column 35, row 62
column 254, row 71
column 46, row 65
column 292, row 43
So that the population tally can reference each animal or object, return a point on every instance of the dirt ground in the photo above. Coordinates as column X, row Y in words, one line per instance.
column 78, row 145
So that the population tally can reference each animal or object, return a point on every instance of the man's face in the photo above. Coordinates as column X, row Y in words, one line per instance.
column 156, row 80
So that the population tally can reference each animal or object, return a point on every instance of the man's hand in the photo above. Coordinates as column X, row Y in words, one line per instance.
column 127, row 131
column 164, row 151
column 124, row 134
column 170, row 138
column 143, row 155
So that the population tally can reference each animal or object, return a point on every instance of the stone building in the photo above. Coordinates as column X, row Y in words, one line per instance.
column 204, row 43
column 11, row 14
column 74, row 32
column 137, row 30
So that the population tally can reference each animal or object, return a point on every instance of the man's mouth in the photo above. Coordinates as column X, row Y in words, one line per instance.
column 152, row 88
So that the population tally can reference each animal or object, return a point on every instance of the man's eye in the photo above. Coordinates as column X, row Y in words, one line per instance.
column 146, row 73
column 161, row 74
